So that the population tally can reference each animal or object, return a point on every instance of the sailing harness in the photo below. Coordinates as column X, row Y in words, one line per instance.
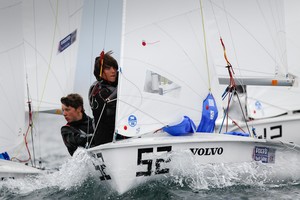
column 102, row 90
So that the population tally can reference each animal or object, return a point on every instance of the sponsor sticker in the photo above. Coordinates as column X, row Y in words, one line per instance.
column 264, row 154
column 132, row 120
column 207, row 151
column 258, row 105
column 67, row 41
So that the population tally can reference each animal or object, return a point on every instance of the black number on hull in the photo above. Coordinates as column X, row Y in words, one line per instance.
column 144, row 162
column 280, row 131
column 160, row 160
column 273, row 128
column 101, row 168
column 149, row 162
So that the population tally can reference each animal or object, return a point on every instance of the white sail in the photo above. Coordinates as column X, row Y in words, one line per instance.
column 164, row 70
column 39, row 41
column 51, row 35
column 254, row 33
column 280, row 100
column 12, row 77
column 100, row 30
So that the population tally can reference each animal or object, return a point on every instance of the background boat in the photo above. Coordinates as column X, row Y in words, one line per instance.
column 16, row 141
column 40, row 56
column 261, row 46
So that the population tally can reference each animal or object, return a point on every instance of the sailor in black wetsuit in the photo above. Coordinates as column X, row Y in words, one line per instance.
column 103, row 96
column 79, row 127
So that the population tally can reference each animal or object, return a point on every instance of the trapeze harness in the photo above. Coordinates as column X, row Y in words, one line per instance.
column 102, row 98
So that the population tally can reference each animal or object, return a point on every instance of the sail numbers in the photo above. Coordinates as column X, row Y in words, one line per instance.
column 148, row 162
column 101, row 167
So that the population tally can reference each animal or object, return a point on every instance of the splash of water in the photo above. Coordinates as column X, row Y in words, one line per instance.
column 71, row 174
column 186, row 171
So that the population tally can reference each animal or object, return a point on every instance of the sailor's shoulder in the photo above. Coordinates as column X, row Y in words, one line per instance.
column 67, row 129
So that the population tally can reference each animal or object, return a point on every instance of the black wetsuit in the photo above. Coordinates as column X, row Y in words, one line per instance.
column 76, row 133
column 102, row 97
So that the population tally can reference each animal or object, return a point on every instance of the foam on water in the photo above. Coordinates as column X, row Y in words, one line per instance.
column 70, row 174
column 186, row 171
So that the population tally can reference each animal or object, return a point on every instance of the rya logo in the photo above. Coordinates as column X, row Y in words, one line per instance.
column 207, row 151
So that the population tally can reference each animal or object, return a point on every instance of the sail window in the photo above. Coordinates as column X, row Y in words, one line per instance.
column 158, row 84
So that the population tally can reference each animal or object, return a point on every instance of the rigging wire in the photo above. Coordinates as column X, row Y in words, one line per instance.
column 231, row 89
column 29, row 130
column 92, row 59
column 105, row 30
column 51, row 55
column 50, row 59
column 30, row 126
column 277, row 17
column 30, row 122
column 36, row 58
column 91, row 72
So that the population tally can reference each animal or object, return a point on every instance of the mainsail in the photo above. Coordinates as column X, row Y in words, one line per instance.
column 165, row 73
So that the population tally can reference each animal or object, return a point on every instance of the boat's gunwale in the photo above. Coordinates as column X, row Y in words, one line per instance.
column 194, row 138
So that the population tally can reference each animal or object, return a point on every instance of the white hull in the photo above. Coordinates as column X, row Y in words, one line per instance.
column 13, row 170
column 284, row 128
column 128, row 163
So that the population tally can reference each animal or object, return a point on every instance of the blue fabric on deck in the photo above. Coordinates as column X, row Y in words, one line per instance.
column 209, row 115
column 238, row 133
column 184, row 127
column 4, row 156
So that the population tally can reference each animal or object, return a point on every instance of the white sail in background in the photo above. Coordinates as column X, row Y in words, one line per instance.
column 12, row 77
column 281, row 100
column 39, row 41
column 51, row 35
column 100, row 30
column 164, row 73
column 254, row 33
column 292, row 21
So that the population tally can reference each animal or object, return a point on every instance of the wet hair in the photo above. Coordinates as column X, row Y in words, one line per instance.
column 108, row 61
column 73, row 100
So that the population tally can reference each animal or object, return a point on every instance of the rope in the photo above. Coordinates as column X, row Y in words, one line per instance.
column 232, row 89
column 205, row 46
column 51, row 54
column 30, row 122
column 224, row 50
column 101, row 60
column 89, row 145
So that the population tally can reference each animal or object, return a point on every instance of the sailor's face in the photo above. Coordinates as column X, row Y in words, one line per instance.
column 109, row 74
column 71, row 114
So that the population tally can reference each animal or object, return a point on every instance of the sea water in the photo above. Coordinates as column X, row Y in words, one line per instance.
column 75, row 178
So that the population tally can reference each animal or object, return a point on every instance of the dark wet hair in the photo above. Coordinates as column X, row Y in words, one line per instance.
column 108, row 61
column 73, row 100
